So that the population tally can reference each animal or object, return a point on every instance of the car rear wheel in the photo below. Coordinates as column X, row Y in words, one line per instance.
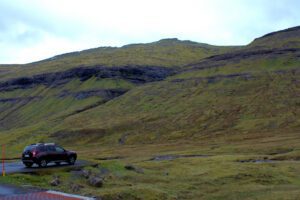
column 28, row 164
column 72, row 160
column 43, row 163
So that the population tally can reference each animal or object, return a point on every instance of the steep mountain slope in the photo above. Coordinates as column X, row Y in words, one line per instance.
column 50, row 90
column 249, row 90
column 219, row 126
column 196, row 105
column 288, row 38
column 199, row 94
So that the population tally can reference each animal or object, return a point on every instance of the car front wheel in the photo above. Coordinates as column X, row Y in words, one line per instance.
column 72, row 160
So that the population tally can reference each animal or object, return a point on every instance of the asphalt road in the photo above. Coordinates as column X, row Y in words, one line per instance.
column 9, row 190
column 18, row 167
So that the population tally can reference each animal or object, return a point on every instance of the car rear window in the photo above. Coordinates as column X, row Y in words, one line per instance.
column 29, row 148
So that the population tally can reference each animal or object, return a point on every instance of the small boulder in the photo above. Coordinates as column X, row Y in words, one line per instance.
column 95, row 181
column 55, row 181
column 76, row 187
column 122, row 139
column 104, row 172
column 130, row 167
column 134, row 168
column 86, row 173
column 139, row 170
column 96, row 165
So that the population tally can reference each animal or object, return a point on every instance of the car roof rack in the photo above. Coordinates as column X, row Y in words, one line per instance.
column 49, row 143
column 41, row 143
column 36, row 143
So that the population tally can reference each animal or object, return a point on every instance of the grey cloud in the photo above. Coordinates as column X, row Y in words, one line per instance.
column 34, row 21
column 26, row 24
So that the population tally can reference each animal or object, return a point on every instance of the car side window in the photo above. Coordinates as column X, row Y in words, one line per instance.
column 50, row 148
column 59, row 149
column 42, row 149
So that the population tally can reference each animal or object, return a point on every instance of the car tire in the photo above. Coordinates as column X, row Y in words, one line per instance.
column 72, row 160
column 43, row 163
column 28, row 165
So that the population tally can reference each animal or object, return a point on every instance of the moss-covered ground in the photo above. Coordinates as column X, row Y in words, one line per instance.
column 229, row 172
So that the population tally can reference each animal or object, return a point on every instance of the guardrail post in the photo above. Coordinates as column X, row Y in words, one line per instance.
column 3, row 160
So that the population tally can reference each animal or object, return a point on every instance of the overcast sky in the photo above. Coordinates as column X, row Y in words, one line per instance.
column 32, row 30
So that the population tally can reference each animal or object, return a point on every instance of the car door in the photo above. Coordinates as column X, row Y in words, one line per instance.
column 60, row 153
column 51, row 154
column 42, row 151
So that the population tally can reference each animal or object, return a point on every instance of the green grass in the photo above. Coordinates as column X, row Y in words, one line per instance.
column 218, row 177
column 182, row 110
column 234, row 105
column 253, row 66
column 284, row 39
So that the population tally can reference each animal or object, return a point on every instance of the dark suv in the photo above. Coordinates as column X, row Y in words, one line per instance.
column 44, row 153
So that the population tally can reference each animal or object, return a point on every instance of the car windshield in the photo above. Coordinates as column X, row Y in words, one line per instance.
column 59, row 149
column 29, row 148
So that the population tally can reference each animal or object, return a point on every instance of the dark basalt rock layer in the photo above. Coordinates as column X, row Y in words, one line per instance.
column 134, row 74
column 247, row 54
column 19, row 99
column 213, row 79
column 106, row 94
column 222, row 59
column 242, row 76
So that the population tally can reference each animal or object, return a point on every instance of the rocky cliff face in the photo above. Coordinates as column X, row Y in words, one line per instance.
column 107, row 83
column 134, row 74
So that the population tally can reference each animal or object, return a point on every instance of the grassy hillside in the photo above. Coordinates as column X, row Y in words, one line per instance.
column 51, row 90
column 288, row 38
column 245, row 90
column 199, row 103
column 239, row 105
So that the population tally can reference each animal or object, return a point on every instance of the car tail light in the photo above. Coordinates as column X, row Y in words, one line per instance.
column 34, row 153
